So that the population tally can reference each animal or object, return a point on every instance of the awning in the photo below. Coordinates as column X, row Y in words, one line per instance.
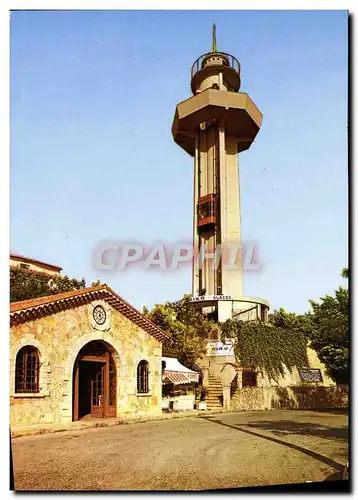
column 176, row 373
column 178, row 378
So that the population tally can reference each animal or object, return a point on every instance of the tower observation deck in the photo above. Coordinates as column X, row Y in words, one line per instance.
column 213, row 126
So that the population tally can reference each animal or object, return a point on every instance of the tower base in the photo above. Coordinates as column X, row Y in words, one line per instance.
column 221, row 307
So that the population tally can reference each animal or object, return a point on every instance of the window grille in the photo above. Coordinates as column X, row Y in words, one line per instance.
column 27, row 370
column 143, row 377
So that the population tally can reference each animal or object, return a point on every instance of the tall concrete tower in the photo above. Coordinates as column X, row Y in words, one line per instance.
column 213, row 126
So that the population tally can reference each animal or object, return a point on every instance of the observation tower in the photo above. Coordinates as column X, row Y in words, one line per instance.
column 213, row 126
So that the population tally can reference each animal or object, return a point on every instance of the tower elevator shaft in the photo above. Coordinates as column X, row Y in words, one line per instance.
column 217, row 241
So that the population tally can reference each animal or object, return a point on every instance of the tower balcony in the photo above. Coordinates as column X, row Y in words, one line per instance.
column 234, row 111
column 212, row 63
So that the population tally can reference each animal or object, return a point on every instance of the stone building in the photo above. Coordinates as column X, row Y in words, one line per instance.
column 82, row 353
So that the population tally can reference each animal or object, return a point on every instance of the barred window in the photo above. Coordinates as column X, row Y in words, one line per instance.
column 143, row 377
column 27, row 370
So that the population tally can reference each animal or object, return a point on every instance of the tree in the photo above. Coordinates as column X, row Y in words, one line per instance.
column 187, row 327
column 329, row 335
column 25, row 285
column 292, row 321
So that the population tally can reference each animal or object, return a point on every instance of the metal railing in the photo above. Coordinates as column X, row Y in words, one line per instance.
column 198, row 64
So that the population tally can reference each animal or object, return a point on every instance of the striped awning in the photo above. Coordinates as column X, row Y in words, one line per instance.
column 178, row 378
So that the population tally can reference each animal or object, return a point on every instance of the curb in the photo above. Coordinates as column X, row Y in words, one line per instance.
column 52, row 428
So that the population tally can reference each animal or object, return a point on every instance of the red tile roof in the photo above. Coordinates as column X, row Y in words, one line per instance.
column 21, row 311
column 40, row 301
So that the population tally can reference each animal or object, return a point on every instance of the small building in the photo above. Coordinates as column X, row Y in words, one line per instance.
column 33, row 265
column 179, row 383
column 84, row 353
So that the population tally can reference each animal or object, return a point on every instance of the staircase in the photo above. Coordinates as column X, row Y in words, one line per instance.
column 214, row 397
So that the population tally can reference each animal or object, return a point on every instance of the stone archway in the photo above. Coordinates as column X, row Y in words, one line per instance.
column 94, row 385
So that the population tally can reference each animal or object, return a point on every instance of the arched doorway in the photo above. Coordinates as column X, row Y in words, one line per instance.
column 94, row 382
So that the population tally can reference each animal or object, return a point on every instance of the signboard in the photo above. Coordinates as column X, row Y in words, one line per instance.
column 211, row 297
column 219, row 349
column 310, row 374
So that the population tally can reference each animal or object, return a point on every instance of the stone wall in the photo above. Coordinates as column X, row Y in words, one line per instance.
column 59, row 338
column 298, row 398
column 224, row 368
column 292, row 378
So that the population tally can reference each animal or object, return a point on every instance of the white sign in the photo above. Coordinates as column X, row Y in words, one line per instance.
column 219, row 349
column 211, row 297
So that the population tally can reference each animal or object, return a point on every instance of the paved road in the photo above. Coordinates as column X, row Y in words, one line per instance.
column 223, row 451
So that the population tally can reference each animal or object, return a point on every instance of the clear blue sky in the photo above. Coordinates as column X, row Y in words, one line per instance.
column 93, row 95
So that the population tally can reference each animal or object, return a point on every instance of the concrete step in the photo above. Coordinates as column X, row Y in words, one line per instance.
column 215, row 394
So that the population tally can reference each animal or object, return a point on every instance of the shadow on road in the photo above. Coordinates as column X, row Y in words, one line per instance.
column 335, row 411
column 328, row 461
column 287, row 427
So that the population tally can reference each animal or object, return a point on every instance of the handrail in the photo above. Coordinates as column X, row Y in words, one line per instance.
column 233, row 62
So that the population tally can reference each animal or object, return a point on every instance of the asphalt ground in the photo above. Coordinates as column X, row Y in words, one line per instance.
column 228, row 450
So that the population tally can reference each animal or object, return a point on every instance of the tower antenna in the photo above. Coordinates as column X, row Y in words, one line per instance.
column 214, row 49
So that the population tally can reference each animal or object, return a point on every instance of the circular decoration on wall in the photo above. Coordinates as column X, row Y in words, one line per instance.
column 99, row 315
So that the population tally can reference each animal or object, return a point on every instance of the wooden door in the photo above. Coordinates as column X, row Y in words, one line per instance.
column 97, row 391
column 111, row 388
column 76, row 373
